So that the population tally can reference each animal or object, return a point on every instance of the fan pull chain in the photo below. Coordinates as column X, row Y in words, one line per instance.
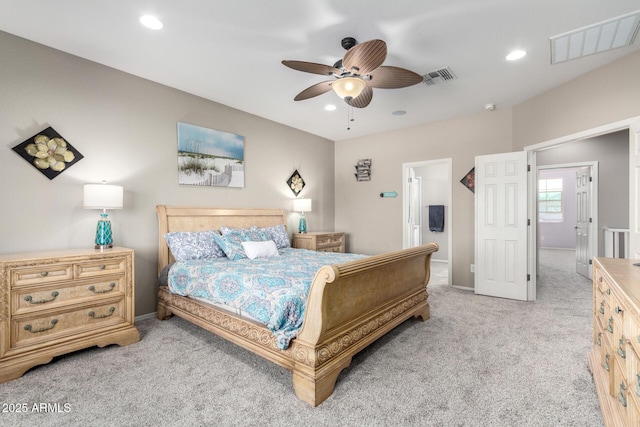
column 349, row 116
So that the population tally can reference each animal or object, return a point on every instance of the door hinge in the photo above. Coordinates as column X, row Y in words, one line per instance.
column 528, row 277
column 528, row 221
column 590, row 220
column 590, row 261
column 528, row 168
column 590, row 179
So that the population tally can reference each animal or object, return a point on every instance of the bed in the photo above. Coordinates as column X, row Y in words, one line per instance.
column 348, row 307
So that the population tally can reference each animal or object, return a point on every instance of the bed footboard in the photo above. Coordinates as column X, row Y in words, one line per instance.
column 350, row 306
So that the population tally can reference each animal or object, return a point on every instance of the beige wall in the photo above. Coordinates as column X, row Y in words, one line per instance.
column 374, row 224
column 600, row 97
column 126, row 129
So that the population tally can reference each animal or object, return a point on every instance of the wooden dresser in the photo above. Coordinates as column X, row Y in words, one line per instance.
column 56, row 302
column 615, row 358
column 319, row 241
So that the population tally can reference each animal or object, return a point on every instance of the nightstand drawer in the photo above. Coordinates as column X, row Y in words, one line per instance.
column 41, row 274
column 32, row 299
column 44, row 328
column 99, row 268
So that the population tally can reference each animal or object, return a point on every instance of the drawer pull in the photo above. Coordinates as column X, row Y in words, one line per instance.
column 605, row 364
column 602, row 307
column 112, row 286
column 54, row 322
column 619, row 310
column 30, row 300
column 609, row 291
column 599, row 339
column 621, row 352
column 102, row 316
column 621, row 397
column 610, row 327
column 44, row 273
column 102, row 267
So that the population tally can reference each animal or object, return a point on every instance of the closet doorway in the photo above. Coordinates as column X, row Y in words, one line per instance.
column 427, row 186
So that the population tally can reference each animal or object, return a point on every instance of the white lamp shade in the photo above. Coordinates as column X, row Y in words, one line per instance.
column 302, row 205
column 103, row 196
column 348, row 87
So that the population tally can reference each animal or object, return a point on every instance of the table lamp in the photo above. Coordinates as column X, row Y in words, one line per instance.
column 302, row 206
column 103, row 196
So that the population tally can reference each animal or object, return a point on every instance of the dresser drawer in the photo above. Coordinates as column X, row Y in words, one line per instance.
column 99, row 268
column 34, row 330
column 32, row 299
column 41, row 274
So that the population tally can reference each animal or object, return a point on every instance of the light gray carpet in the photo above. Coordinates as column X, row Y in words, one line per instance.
column 478, row 361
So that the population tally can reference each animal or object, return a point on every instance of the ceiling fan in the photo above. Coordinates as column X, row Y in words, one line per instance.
column 356, row 74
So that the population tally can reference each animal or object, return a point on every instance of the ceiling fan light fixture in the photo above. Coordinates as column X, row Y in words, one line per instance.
column 348, row 87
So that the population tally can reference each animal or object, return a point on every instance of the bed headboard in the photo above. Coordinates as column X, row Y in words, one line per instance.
column 180, row 218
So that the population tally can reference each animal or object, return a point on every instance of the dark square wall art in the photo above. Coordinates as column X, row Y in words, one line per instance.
column 48, row 152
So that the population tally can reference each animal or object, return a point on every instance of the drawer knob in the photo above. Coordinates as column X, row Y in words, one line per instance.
column 608, row 291
column 102, row 267
column 638, row 385
column 44, row 273
column 600, row 279
column 30, row 300
column 610, row 327
column 54, row 322
column 619, row 310
column 112, row 286
column 599, row 339
column 605, row 364
column 602, row 307
column 102, row 316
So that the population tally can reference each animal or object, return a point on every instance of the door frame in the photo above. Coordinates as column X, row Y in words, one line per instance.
column 593, row 205
column 532, row 149
column 448, row 212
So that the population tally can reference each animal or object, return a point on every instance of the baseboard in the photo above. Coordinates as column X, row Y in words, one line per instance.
column 145, row 316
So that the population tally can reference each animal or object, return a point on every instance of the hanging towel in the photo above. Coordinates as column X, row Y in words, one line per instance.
column 436, row 218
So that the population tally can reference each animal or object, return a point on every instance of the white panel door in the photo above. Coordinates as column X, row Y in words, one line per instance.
column 634, row 190
column 501, row 225
column 583, row 219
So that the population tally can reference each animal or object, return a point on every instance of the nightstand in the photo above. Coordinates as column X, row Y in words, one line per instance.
column 55, row 302
column 319, row 241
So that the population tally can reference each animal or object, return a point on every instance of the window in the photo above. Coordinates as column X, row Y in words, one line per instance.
column 550, row 200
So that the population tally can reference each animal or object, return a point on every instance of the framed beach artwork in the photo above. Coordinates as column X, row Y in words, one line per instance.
column 208, row 157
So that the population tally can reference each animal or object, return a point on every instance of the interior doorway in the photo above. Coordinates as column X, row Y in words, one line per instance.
column 427, row 187
column 567, row 213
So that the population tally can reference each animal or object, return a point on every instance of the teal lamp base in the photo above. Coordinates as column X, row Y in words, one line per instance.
column 104, row 237
column 302, row 227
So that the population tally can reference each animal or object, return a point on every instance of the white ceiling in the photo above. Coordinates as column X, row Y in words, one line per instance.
column 230, row 51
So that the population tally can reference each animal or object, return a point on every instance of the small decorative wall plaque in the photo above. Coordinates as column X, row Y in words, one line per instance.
column 48, row 152
column 469, row 180
column 296, row 183
column 363, row 170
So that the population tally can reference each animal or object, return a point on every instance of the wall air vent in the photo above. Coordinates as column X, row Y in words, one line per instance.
column 438, row 76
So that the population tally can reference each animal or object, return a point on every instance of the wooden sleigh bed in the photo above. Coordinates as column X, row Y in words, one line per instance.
column 349, row 305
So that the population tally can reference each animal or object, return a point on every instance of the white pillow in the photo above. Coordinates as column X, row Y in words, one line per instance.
column 260, row 249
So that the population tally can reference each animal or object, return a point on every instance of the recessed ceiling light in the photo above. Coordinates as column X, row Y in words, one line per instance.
column 399, row 113
column 516, row 54
column 151, row 22
column 330, row 107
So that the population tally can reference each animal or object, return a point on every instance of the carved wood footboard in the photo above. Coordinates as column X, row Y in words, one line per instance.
column 349, row 306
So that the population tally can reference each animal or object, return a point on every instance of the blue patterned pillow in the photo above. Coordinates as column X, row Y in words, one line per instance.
column 187, row 245
column 279, row 235
column 231, row 240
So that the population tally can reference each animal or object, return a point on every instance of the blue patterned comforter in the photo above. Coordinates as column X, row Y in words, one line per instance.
column 271, row 290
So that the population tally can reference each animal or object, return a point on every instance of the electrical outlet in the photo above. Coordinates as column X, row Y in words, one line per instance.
column 472, row 268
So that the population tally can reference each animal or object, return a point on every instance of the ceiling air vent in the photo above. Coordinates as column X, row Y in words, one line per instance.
column 438, row 76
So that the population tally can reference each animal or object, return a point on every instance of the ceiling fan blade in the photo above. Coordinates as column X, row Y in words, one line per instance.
column 315, row 90
column 361, row 100
column 388, row 77
column 311, row 67
column 365, row 57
